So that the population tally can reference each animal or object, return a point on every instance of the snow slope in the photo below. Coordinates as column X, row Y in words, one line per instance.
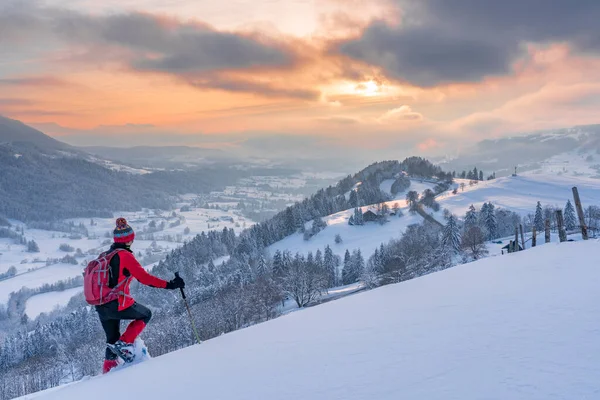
column 522, row 326
column 366, row 238
column 521, row 193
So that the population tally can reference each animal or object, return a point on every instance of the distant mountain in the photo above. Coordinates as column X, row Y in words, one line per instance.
column 531, row 151
column 17, row 133
column 43, row 179
column 159, row 157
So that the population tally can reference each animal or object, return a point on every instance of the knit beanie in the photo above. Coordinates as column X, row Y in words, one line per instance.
column 123, row 233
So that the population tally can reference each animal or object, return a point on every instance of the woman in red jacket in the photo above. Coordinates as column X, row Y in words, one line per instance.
column 123, row 268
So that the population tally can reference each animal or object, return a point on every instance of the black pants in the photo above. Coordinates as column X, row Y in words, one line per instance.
column 110, row 318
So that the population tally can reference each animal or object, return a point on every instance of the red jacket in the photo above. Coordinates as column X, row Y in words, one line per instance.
column 125, row 267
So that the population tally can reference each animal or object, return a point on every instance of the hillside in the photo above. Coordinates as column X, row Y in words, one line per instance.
column 519, row 194
column 13, row 131
column 575, row 148
column 42, row 179
column 516, row 327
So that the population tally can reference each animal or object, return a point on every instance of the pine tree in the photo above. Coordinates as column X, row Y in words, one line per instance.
column 329, row 263
column 310, row 260
column 353, row 198
column 375, row 261
column 451, row 236
column 347, row 271
column 383, row 255
column 570, row 217
column 359, row 264
column 358, row 217
column 262, row 268
column 32, row 247
column 471, row 216
column 538, row 220
column 319, row 259
column 490, row 221
column 480, row 175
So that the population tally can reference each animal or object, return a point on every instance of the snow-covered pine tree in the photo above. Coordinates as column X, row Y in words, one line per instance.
column 347, row 271
column 319, row 259
column 318, row 225
column 329, row 265
column 358, row 217
column 538, row 220
column 351, row 220
column 310, row 260
column 359, row 264
column 570, row 217
column 262, row 268
column 482, row 214
column 374, row 263
column 383, row 255
column 490, row 221
column 471, row 216
column 451, row 236
column 353, row 199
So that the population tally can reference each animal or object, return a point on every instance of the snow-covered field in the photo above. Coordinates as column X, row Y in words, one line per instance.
column 47, row 302
column 366, row 238
column 523, row 326
column 33, row 271
column 519, row 194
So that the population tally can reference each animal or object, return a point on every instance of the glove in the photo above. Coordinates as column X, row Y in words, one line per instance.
column 175, row 283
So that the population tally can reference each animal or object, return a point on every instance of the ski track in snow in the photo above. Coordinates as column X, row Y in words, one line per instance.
column 521, row 326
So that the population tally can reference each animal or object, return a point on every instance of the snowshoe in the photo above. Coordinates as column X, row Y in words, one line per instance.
column 124, row 350
column 140, row 354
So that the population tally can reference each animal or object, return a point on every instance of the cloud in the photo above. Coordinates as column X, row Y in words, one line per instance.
column 33, row 81
column 402, row 113
column 339, row 120
column 267, row 89
column 193, row 52
column 14, row 102
column 441, row 41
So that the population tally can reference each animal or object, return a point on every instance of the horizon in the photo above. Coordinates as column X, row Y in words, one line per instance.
column 421, row 78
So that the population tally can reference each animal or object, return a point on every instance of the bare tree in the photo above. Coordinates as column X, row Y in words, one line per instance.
column 473, row 242
column 304, row 283
column 265, row 297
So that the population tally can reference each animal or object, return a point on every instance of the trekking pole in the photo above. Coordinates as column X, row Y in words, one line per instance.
column 189, row 312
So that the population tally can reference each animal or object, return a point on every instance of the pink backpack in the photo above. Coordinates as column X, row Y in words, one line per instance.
column 96, row 278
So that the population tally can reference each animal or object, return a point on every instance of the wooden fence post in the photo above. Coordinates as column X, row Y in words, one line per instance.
column 533, row 237
column 516, row 238
column 562, row 234
column 547, row 231
column 522, row 236
column 580, row 214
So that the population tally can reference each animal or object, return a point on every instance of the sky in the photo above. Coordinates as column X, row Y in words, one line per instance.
column 378, row 76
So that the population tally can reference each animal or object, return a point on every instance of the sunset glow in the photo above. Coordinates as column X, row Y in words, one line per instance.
column 293, row 67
